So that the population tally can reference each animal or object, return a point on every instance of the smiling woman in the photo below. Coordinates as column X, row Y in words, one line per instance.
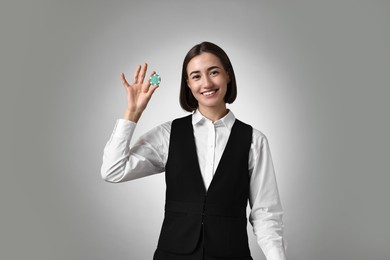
column 213, row 163
column 206, row 62
column 208, row 81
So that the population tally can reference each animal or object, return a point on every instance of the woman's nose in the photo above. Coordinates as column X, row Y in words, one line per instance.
column 207, row 82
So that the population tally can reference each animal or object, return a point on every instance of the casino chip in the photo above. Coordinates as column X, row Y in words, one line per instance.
column 155, row 79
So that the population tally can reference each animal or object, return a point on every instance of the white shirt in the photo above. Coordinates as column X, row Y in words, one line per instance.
column 149, row 155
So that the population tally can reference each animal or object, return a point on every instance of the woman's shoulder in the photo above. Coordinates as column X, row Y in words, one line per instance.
column 161, row 131
column 258, row 137
column 257, row 134
column 259, row 140
column 166, row 127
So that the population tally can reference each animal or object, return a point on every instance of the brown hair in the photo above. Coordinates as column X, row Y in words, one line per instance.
column 187, row 100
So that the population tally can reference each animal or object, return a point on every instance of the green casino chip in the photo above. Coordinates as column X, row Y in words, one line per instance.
column 155, row 79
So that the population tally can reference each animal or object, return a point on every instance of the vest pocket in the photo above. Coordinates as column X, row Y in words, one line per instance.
column 180, row 232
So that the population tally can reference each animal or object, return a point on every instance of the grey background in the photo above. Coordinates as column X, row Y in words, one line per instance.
column 312, row 75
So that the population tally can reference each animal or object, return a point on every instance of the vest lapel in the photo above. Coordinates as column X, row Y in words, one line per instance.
column 195, row 155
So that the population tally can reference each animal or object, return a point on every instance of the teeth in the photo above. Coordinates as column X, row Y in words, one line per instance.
column 208, row 93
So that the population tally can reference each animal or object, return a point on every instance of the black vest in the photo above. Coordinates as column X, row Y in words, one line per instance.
column 218, row 215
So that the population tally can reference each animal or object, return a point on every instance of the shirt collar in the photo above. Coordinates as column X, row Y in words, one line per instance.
column 227, row 120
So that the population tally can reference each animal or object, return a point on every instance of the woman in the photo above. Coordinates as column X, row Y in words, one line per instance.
column 213, row 165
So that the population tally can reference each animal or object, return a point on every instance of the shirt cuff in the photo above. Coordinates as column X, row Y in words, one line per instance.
column 276, row 253
column 123, row 129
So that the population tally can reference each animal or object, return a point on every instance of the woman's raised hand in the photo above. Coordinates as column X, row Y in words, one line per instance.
column 138, row 93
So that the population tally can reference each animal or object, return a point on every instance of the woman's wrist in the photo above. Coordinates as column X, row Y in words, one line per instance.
column 132, row 116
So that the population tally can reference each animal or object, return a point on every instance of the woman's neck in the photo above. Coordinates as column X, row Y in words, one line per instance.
column 213, row 113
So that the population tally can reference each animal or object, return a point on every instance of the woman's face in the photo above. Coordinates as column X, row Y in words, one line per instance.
column 207, row 79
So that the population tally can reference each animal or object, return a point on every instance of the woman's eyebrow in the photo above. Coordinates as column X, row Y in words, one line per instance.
column 195, row 71
column 211, row 68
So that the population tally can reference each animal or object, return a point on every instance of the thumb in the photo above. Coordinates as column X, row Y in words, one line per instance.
column 152, row 89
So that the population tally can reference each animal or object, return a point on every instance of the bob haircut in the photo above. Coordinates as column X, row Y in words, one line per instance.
column 187, row 100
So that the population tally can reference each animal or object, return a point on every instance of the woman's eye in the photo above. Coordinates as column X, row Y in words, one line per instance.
column 195, row 77
column 214, row 73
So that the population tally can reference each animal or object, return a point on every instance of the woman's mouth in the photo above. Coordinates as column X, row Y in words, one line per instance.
column 209, row 93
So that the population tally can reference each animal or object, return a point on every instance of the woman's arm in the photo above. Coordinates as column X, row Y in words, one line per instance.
column 266, row 209
column 147, row 156
column 120, row 163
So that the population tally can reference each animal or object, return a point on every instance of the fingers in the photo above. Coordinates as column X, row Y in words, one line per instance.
column 152, row 89
column 139, row 77
column 139, row 74
column 124, row 81
column 143, row 72
column 135, row 79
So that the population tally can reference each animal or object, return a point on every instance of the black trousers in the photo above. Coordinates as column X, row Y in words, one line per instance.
column 198, row 254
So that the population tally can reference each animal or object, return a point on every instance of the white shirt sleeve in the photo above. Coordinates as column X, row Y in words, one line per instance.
column 147, row 156
column 266, row 209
